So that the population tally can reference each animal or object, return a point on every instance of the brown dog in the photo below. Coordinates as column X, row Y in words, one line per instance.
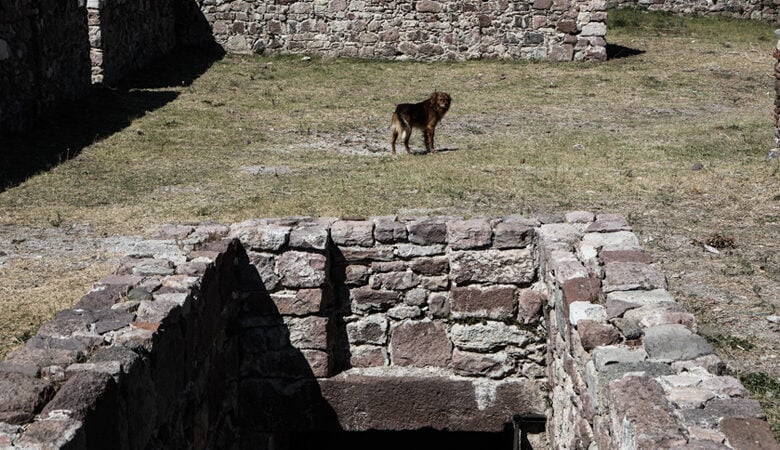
column 424, row 115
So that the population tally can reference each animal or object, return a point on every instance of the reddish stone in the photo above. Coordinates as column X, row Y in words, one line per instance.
column 567, row 26
column 365, row 298
column 420, row 344
column 319, row 362
column 582, row 290
column 512, row 234
column 479, row 364
column 389, row 266
column 363, row 402
column 21, row 397
column 543, row 4
column 749, row 434
column 102, row 297
column 494, row 302
column 641, row 402
column 437, row 265
column 427, row 231
column 529, row 306
column 636, row 256
column 594, row 334
column 301, row 302
column 399, row 281
column 151, row 326
column 367, row 356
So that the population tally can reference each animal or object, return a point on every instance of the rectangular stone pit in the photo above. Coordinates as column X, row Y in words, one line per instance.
column 219, row 336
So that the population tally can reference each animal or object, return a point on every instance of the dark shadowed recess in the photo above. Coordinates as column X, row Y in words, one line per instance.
column 615, row 51
column 102, row 113
column 407, row 440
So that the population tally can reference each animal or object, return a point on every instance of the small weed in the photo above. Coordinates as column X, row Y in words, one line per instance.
column 727, row 342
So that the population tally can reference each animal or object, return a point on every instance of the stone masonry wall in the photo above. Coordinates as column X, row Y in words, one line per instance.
column 765, row 10
column 125, row 35
column 44, row 59
column 216, row 336
column 558, row 30
column 628, row 369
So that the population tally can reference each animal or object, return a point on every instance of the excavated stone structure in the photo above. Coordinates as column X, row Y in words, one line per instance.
column 236, row 336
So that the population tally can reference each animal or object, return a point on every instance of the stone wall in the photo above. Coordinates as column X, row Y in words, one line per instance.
column 765, row 10
column 558, row 30
column 44, row 59
column 125, row 35
column 628, row 369
column 216, row 336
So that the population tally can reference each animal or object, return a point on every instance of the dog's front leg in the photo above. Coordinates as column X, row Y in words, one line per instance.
column 429, row 146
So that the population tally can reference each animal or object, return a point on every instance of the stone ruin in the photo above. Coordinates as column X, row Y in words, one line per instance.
column 560, row 330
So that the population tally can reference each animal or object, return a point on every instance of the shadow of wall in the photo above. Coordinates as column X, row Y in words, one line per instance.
column 39, row 130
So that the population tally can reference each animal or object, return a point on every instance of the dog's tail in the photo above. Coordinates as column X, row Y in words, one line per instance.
column 399, row 125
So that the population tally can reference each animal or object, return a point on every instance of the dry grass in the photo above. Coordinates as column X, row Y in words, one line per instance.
column 623, row 136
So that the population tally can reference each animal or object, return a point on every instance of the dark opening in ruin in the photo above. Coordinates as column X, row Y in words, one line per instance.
column 421, row 439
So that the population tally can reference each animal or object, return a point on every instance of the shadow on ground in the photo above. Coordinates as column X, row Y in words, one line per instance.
column 102, row 113
column 615, row 51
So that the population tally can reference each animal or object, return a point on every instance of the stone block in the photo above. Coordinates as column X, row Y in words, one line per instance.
column 529, row 306
column 55, row 431
column 641, row 298
column 513, row 234
column 717, row 410
column 749, row 434
column 420, row 344
column 356, row 275
column 427, row 231
column 559, row 233
column 319, row 362
column 368, row 330
column 412, row 402
column 408, row 251
column 262, row 237
column 397, row 281
column 674, row 343
column 308, row 332
column 488, row 336
column 641, row 416
column 579, row 311
column 365, row 299
column 439, row 304
column 493, row 365
column 616, row 256
column 402, row 312
column 469, row 234
column 608, row 223
column 310, row 237
column 387, row 230
column 595, row 334
column 437, row 265
column 359, row 255
column 352, row 233
column 21, row 397
column 302, row 269
column 103, row 296
column 428, row 6
column 492, row 302
column 492, row 266
column 368, row 356
column 627, row 276
column 301, row 302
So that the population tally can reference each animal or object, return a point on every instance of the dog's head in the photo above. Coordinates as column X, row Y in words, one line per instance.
column 441, row 101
